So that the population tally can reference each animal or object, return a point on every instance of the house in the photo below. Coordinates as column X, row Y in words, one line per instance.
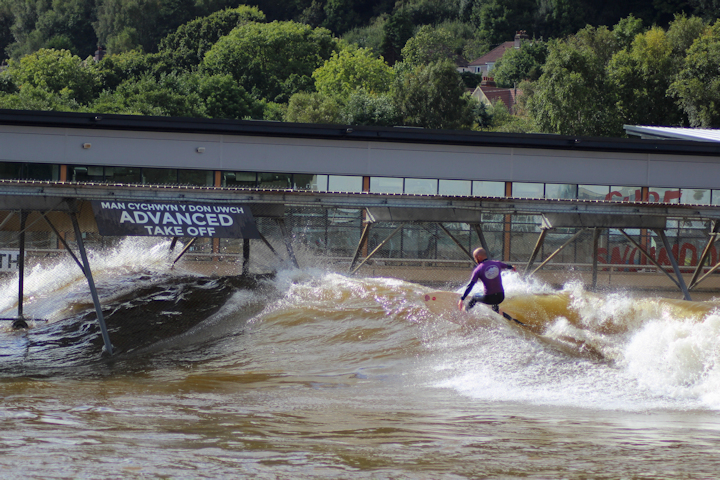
column 483, row 65
column 489, row 93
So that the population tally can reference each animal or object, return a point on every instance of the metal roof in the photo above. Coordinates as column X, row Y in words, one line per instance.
column 674, row 133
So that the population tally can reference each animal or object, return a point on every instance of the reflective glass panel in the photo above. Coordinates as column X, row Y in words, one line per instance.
column 488, row 189
column 86, row 173
column 345, row 183
column 422, row 186
column 239, row 179
column 527, row 190
column 202, row 178
column 593, row 192
column 560, row 190
column 309, row 182
column 664, row 195
column 697, row 196
column 123, row 175
column 160, row 176
column 386, row 185
column 275, row 180
column 625, row 194
column 455, row 187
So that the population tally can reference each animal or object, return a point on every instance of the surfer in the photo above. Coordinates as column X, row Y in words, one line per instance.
column 488, row 272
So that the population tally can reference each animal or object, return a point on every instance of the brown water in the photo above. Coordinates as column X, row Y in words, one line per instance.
column 316, row 375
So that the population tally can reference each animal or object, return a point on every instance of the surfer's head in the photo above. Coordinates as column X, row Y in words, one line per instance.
column 479, row 255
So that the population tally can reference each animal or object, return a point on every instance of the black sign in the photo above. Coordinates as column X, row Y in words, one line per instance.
column 161, row 219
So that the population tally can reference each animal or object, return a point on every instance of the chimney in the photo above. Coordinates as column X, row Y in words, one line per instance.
column 99, row 53
column 520, row 36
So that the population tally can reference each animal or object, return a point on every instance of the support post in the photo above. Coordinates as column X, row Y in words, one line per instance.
column 246, row 256
column 705, row 253
column 91, row 284
column 538, row 246
column 481, row 236
column 392, row 234
column 673, row 261
column 457, row 242
column 21, row 263
column 649, row 257
column 20, row 322
column 596, row 238
column 552, row 255
column 361, row 243
column 187, row 247
column 288, row 242
column 64, row 243
column 173, row 243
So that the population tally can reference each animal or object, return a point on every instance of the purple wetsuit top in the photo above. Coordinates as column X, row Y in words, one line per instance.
column 488, row 272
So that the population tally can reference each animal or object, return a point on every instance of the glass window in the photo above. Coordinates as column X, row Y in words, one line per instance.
column 123, row 175
column 239, row 179
column 160, row 176
column 716, row 197
column 87, row 173
column 201, row 178
column 29, row 171
column 527, row 190
column 455, row 187
column 664, row 195
column 423, row 186
column 309, row 182
column 275, row 180
column 625, row 194
column 345, row 183
column 560, row 190
column 593, row 192
column 386, row 185
column 696, row 196
column 488, row 189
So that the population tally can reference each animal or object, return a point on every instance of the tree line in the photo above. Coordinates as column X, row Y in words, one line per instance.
column 367, row 62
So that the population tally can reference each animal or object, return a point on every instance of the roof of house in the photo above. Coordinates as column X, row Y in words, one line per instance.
column 493, row 55
column 673, row 133
column 507, row 95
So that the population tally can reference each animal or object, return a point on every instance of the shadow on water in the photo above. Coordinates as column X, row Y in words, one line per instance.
column 148, row 316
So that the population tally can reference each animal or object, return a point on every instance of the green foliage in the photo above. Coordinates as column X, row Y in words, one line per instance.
column 573, row 95
column 56, row 72
column 498, row 20
column 430, row 45
column 272, row 61
column 351, row 69
column 683, row 31
column 370, row 36
column 363, row 108
column 185, row 95
column 519, row 64
column 397, row 30
column 641, row 75
column 35, row 98
column 313, row 108
column 697, row 85
column 433, row 96
column 189, row 43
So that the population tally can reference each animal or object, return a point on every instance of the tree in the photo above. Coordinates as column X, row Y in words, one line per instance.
column 519, row 64
column 697, row 85
column 642, row 76
column 363, row 108
column 433, row 96
column 313, row 108
column 273, row 60
column 56, row 72
column 573, row 95
column 397, row 30
column 498, row 20
column 188, row 44
column 429, row 45
column 351, row 69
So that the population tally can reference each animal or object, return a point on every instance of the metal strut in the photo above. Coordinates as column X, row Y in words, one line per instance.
column 91, row 284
